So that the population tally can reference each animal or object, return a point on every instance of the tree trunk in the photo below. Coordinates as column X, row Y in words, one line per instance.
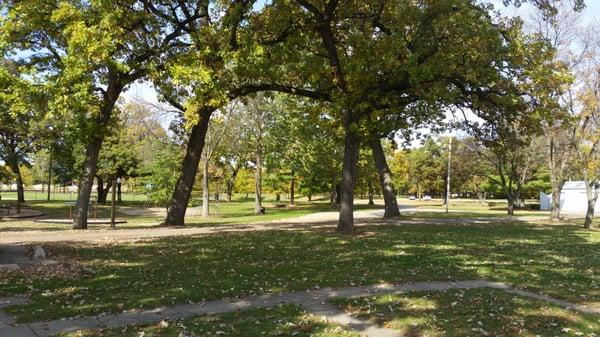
column 385, row 179
column 90, row 167
column 258, row 181
column 205, row 191
column 102, row 191
column 119, row 192
column 231, row 184
column 49, row 176
column 92, row 149
column 309, row 197
column 292, row 189
column 185, row 182
column 592, row 191
column 229, row 192
column 20, row 187
column 511, row 204
column 371, row 201
column 99, row 189
column 351, row 149
column 334, row 195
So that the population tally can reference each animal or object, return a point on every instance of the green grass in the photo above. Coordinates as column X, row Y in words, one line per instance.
column 497, row 205
column 477, row 312
column 284, row 320
column 59, row 196
column 238, row 211
column 562, row 261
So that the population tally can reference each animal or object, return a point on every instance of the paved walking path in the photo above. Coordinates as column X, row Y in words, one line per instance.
column 313, row 301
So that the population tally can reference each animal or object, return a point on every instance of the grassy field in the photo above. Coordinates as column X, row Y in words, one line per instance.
column 137, row 215
column 60, row 196
column 241, row 211
column 562, row 261
column 279, row 321
column 478, row 312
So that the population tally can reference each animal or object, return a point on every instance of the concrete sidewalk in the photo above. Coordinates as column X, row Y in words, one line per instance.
column 313, row 301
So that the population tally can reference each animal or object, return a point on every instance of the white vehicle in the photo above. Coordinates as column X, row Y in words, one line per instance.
column 426, row 197
column 412, row 197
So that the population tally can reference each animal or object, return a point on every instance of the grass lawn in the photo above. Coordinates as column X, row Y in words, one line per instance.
column 284, row 320
column 562, row 261
column 238, row 211
column 489, row 207
column 62, row 197
column 476, row 312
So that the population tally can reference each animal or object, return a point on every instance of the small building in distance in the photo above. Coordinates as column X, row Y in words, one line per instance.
column 573, row 199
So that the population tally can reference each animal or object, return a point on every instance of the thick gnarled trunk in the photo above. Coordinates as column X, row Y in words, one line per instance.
column 90, row 167
column 189, row 168
column 385, row 179
column 351, row 150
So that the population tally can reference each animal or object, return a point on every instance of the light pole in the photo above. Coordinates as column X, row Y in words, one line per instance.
column 448, row 175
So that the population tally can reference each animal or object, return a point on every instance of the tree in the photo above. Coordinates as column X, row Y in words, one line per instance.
column 304, row 146
column 228, row 60
column 216, row 131
column 233, row 152
column 561, row 30
column 399, row 166
column 426, row 169
column 586, row 136
column 162, row 174
column 372, row 69
column 259, row 115
column 91, row 51
column 20, row 105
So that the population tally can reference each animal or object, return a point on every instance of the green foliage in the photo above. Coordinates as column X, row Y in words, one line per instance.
column 162, row 174
column 305, row 142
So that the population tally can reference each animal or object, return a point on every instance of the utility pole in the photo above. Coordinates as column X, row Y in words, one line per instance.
column 448, row 175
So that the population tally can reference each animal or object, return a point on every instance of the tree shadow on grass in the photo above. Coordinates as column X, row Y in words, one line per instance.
column 487, row 312
column 560, row 261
